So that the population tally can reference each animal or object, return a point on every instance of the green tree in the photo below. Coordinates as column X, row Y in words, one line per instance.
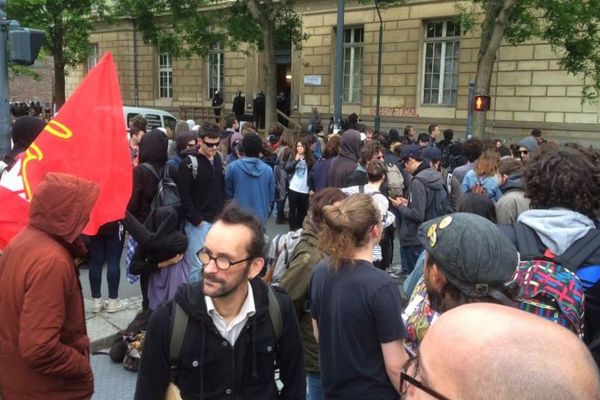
column 570, row 26
column 187, row 27
column 67, row 25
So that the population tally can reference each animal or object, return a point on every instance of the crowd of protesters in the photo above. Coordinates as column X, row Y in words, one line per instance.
column 495, row 294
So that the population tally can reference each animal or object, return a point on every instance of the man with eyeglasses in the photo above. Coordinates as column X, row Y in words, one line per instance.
column 201, row 184
column 230, row 347
column 489, row 351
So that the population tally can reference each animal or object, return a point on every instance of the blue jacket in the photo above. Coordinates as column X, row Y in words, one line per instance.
column 251, row 183
column 490, row 184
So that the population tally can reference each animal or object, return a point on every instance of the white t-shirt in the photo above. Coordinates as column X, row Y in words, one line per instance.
column 299, row 182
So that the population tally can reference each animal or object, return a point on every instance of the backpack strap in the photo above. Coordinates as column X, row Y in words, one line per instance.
column 194, row 166
column 179, row 323
column 449, row 182
column 527, row 242
column 275, row 313
column 580, row 251
column 150, row 168
column 361, row 188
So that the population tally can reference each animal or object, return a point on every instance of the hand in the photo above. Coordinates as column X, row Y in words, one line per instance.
column 171, row 261
column 398, row 201
column 299, row 157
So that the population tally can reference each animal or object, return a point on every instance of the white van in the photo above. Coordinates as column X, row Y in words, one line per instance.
column 155, row 118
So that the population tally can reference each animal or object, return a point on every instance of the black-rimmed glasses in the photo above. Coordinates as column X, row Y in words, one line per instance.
column 222, row 262
column 408, row 376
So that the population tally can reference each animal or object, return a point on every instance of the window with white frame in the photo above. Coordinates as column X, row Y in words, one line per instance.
column 92, row 59
column 353, row 57
column 440, row 62
column 215, row 71
column 165, row 76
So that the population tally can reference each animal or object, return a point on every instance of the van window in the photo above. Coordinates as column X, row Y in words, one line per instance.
column 131, row 116
column 170, row 122
column 153, row 121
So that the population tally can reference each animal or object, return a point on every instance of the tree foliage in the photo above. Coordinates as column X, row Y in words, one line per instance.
column 570, row 26
column 187, row 27
column 67, row 25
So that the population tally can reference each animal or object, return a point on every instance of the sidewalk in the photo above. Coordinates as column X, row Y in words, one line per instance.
column 102, row 327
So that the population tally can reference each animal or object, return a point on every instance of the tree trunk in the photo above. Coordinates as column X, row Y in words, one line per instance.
column 270, row 78
column 492, row 33
column 59, row 63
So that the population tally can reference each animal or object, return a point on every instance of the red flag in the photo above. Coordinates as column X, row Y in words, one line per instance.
column 87, row 138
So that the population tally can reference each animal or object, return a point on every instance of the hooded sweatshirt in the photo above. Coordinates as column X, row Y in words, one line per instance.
column 422, row 189
column 558, row 228
column 153, row 150
column 344, row 164
column 211, row 367
column 513, row 202
column 44, row 348
column 251, row 183
column 530, row 144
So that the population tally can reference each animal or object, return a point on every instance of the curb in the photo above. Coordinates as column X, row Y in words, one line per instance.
column 103, row 327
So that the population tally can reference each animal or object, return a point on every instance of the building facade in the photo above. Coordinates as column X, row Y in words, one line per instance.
column 427, row 64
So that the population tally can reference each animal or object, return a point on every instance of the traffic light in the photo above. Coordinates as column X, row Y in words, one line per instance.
column 481, row 103
column 24, row 44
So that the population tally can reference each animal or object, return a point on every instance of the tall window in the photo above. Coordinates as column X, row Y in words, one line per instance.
column 353, row 56
column 440, row 75
column 215, row 71
column 92, row 59
column 165, row 75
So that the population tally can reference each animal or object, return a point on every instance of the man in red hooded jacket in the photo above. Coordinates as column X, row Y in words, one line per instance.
column 43, row 343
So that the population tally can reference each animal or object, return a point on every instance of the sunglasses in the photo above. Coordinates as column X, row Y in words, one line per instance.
column 209, row 144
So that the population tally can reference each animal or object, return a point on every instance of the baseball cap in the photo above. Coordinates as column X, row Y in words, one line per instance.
column 410, row 150
column 432, row 153
column 472, row 252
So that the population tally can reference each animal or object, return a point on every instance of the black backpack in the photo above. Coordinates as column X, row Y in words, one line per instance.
column 167, row 193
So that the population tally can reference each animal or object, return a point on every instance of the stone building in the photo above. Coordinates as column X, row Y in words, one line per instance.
column 426, row 67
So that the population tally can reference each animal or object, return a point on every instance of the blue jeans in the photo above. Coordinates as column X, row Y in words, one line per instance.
column 409, row 255
column 105, row 249
column 196, row 236
column 313, row 384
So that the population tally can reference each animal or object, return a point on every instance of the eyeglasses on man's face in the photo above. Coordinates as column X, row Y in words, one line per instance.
column 409, row 376
column 222, row 262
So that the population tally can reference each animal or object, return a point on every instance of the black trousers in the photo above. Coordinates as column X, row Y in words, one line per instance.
column 298, row 204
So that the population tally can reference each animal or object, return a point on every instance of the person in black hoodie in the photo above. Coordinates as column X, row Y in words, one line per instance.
column 230, row 346
column 346, row 161
column 152, row 155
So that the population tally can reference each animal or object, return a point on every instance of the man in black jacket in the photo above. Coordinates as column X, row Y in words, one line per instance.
column 201, row 185
column 420, row 205
column 230, row 346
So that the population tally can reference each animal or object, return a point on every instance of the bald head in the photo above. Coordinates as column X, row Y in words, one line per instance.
column 488, row 351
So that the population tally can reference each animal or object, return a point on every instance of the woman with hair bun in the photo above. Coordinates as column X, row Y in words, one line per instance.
column 355, row 307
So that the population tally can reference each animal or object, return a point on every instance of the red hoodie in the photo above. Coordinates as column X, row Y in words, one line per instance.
column 44, row 350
